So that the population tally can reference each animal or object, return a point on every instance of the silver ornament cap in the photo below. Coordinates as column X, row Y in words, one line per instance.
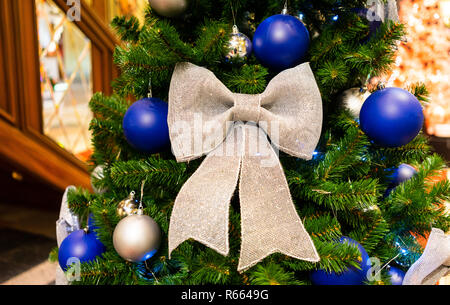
column 127, row 206
column 137, row 237
column 169, row 8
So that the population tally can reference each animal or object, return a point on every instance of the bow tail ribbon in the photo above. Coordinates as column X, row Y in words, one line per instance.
column 269, row 221
column 434, row 262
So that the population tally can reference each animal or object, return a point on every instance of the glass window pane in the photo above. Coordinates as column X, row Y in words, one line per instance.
column 66, row 79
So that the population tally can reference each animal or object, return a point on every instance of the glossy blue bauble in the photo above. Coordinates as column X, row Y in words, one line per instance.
column 79, row 244
column 396, row 275
column 281, row 42
column 145, row 125
column 352, row 276
column 403, row 173
column 391, row 117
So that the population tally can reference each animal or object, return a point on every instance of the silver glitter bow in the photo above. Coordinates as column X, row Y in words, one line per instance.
column 68, row 221
column 434, row 262
column 205, row 118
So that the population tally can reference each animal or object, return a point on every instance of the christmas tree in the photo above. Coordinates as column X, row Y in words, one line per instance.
column 347, row 191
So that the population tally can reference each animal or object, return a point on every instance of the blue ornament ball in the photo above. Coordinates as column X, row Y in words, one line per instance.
column 403, row 173
column 352, row 276
column 79, row 244
column 281, row 42
column 145, row 125
column 396, row 275
column 391, row 117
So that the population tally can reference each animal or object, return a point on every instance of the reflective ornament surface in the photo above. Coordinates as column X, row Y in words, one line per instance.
column 239, row 46
column 127, row 206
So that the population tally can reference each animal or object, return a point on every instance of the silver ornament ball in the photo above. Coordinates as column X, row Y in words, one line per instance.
column 169, row 8
column 353, row 100
column 136, row 238
column 239, row 46
column 97, row 174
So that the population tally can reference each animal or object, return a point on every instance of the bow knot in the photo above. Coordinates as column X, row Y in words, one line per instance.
column 247, row 108
column 205, row 118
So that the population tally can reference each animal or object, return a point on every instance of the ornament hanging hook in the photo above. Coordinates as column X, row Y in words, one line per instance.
column 234, row 15
column 141, row 207
column 86, row 228
column 285, row 9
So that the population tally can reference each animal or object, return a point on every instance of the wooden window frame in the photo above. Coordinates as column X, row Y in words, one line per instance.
column 22, row 98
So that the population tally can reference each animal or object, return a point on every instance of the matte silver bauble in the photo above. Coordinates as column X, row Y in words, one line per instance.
column 137, row 237
column 127, row 206
column 169, row 8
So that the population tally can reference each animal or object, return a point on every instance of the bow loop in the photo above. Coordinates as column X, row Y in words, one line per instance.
column 293, row 100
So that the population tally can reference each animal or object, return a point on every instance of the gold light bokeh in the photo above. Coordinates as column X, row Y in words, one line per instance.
column 425, row 58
